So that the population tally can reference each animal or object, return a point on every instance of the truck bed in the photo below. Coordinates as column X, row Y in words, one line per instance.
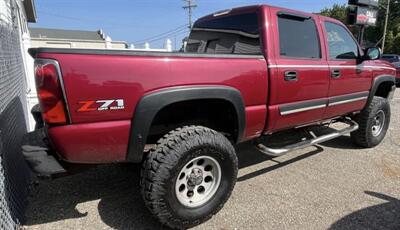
column 91, row 75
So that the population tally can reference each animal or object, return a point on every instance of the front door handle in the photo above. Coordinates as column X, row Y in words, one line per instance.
column 291, row 76
column 336, row 73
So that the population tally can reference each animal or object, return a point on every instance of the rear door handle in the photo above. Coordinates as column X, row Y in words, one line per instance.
column 291, row 76
column 336, row 73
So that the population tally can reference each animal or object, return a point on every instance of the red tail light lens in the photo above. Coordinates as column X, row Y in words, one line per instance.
column 50, row 93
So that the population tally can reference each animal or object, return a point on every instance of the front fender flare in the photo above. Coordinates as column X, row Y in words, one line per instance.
column 150, row 104
column 375, row 84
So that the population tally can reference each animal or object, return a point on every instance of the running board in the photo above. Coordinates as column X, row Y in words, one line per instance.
column 310, row 142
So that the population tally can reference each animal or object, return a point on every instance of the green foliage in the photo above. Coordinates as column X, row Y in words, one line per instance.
column 389, row 40
column 374, row 35
column 337, row 11
column 396, row 45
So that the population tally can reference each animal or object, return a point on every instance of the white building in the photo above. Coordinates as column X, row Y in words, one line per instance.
column 14, row 173
column 146, row 47
column 60, row 38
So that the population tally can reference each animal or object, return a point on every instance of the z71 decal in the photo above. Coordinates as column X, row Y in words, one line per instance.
column 101, row 105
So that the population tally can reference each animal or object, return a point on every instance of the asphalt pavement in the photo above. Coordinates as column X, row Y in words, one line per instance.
column 335, row 185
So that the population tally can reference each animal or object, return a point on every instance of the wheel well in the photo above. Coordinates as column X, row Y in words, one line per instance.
column 384, row 89
column 217, row 114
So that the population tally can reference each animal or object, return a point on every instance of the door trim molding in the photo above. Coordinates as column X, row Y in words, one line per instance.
column 343, row 99
column 303, row 106
column 332, row 66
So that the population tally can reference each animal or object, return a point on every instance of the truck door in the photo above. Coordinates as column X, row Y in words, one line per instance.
column 299, row 75
column 350, row 81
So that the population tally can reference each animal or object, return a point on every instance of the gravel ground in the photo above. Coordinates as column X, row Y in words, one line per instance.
column 335, row 185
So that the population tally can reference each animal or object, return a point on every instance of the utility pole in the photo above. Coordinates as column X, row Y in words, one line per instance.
column 190, row 5
column 386, row 23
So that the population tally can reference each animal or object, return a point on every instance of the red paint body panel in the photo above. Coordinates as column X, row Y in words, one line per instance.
column 93, row 77
column 98, row 142
column 351, row 81
column 255, row 117
column 312, row 83
column 96, row 77
column 102, row 136
column 340, row 110
column 398, row 75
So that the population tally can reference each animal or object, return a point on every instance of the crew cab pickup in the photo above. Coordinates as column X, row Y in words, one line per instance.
column 244, row 74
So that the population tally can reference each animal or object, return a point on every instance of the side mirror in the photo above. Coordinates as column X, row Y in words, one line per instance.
column 372, row 53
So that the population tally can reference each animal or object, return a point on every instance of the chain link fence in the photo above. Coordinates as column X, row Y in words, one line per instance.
column 14, row 173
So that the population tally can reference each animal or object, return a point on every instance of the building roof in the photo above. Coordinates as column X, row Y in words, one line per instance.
column 30, row 11
column 66, row 34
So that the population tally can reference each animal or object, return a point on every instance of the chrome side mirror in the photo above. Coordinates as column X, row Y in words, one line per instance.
column 373, row 53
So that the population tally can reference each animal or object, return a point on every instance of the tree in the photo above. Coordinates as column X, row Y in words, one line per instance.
column 389, row 40
column 396, row 45
column 337, row 11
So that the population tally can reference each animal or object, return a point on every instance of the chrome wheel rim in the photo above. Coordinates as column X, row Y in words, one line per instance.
column 378, row 123
column 198, row 181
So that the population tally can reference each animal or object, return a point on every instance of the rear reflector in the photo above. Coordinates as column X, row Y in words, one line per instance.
column 49, row 92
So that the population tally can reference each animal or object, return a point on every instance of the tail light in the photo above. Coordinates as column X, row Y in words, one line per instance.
column 49, row 91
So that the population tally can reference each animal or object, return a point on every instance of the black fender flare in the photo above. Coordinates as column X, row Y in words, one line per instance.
column 150, row 104
column 376, row 83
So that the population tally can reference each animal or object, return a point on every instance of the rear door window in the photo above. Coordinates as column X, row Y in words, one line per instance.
column 298, row 37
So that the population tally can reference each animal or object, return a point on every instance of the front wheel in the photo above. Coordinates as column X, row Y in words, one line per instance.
column 374, row 123
column 188, row 176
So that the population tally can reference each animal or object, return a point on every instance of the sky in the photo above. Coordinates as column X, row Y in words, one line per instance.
column 139, row 21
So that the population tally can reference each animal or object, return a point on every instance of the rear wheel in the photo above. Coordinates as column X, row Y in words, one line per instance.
column 188, row 176
column 374, row 123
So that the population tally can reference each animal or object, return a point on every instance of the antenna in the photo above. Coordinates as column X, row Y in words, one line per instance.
column 190, row 5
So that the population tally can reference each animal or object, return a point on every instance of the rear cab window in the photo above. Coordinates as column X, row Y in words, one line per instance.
column 226, row 34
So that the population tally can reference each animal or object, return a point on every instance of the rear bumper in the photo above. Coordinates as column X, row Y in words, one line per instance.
column 93, row 143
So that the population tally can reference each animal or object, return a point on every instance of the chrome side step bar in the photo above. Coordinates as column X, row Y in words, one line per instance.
column 307, row 143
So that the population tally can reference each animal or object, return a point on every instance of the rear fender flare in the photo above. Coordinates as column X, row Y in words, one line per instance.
column 150, row 104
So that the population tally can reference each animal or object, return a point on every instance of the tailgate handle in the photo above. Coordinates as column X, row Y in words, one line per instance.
column 291, row 76
column 335, row 73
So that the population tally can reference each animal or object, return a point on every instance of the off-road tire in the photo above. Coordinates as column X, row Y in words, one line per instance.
column 163, row 164
column 364, row 135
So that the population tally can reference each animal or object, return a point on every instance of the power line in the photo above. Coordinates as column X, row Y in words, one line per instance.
column 190, row 5
column 167, row 33
column 67, row 17
column 100, row 23
column 176, row 33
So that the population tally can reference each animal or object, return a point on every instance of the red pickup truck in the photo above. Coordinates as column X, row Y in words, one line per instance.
column 244, row 74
